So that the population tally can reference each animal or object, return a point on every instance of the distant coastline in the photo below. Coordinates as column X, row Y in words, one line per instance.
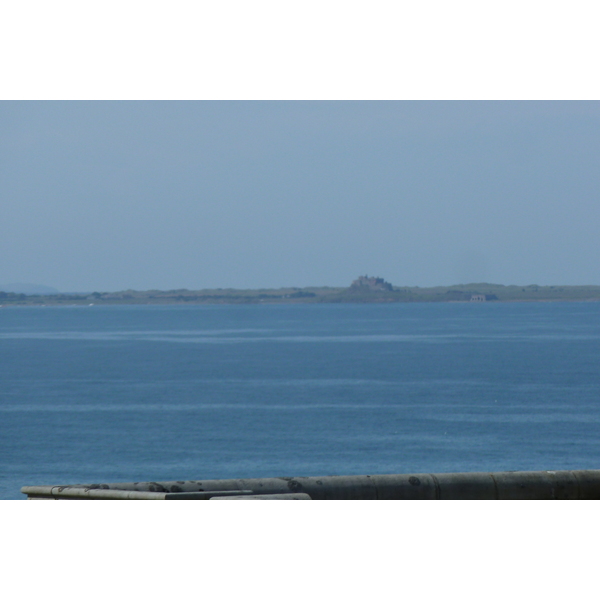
column 365, row 289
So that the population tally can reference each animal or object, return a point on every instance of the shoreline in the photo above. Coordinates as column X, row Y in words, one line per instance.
column 374, row 291
column 85, row 304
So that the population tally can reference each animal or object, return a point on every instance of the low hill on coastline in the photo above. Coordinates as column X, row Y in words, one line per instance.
column 28, row 288
column 363, row 290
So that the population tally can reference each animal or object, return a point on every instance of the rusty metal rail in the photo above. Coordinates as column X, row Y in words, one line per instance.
column 509, row 485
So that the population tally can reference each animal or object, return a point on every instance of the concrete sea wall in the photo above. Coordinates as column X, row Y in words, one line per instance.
column 509, row 485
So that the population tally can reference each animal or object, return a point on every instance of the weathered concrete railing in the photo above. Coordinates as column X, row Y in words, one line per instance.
column 511, row 485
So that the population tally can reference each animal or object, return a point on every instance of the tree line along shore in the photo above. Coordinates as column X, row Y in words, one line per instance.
column 363, row 290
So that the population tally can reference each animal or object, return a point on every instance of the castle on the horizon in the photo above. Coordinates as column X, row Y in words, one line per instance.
column 366, row 283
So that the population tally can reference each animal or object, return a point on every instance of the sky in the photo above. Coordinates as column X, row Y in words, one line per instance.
column 115, row 195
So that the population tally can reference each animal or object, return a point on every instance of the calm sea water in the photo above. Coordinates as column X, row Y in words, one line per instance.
column 138, row 393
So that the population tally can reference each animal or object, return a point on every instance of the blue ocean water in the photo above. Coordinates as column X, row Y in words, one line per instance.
column 138, row 393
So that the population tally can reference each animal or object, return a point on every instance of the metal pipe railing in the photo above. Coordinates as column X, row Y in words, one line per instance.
column 509, row 485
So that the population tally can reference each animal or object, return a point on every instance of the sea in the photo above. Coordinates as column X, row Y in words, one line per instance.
column 104, row 394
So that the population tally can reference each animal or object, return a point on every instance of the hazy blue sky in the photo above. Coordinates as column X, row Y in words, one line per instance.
column 114, row 195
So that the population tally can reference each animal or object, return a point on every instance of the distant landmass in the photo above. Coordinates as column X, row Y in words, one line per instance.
column 28, row 288
column 364, row 289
